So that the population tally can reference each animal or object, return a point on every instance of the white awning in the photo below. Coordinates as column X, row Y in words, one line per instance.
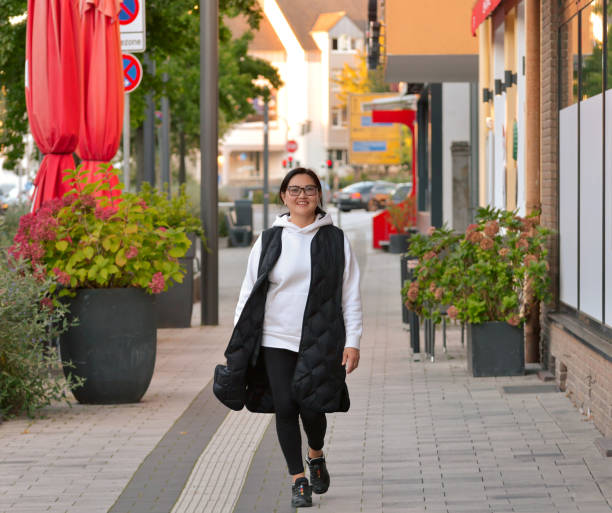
column 402, row 101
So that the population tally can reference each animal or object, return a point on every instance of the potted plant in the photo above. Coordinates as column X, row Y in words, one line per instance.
column 484, row 276
column 110, row 255
column 402, row 218
column 174, row 306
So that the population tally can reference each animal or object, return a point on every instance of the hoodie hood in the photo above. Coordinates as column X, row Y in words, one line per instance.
column 282, row 220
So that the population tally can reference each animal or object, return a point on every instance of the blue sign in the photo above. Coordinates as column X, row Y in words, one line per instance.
column 132, row 72
column 128, row 11
column 369, row 145
column 367, row 121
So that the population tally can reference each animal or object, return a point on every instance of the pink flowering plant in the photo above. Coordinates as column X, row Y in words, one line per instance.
column 485, row 274
column 95, row 237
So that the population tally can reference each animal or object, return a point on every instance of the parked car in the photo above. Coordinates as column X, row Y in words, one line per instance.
column 354, row 196
column 6, row 190
column 401, row 192
column 380, row 194
column 358, row 195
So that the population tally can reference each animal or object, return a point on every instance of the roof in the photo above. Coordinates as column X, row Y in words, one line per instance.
column 264, row 39
column 327, row 21
column 303, row 15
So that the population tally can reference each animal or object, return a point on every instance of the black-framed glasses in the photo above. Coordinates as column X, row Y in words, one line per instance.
column 309, row 190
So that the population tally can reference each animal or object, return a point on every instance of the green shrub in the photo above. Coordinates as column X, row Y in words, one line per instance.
column 223, row 228
column 30, row 371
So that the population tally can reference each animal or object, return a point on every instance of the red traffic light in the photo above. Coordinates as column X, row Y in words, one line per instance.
column 329, row 164
column 290, row 158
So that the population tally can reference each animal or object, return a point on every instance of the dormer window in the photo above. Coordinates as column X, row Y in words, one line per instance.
column 344, row 43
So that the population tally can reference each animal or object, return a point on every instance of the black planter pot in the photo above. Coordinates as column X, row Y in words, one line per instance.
column 495, row 349
column 398, row 242
column 114, row 345
column 173, row 307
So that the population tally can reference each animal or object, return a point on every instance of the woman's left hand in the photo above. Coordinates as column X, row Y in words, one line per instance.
column 350, row 358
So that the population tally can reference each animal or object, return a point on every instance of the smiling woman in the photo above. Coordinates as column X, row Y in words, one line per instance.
column 300, row 297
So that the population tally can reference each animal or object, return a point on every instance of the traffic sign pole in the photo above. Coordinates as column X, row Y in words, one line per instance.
column 209, row 195
column 126, row 142
column 266, row 194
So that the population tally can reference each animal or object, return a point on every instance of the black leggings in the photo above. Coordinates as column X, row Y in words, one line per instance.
column 280, row 365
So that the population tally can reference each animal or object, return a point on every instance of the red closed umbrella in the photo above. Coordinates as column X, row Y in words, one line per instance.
column 53, row 90
column 102, row 100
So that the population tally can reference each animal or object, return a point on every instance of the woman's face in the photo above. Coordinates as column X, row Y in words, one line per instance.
column 301, row 204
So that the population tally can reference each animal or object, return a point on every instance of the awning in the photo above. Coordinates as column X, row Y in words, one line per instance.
column 405, row 101
column 481, row 11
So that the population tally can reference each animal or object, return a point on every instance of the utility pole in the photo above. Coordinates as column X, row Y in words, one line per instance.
column 209, row 282
column 165, row 138
column 149, row 127
column 266, row 193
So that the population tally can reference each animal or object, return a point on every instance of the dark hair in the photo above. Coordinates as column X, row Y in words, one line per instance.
column 303, row 171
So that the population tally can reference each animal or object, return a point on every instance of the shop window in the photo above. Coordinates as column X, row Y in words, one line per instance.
column 338, row 117
column 569, row 59
column 334, row 43
column 592, row 50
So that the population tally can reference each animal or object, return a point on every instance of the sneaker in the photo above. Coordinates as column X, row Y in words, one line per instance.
column 319, row 476
column 301, row 493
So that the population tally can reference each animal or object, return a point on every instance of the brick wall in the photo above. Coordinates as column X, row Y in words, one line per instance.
column 582, row 373
column 549, row 166
column 585, row 376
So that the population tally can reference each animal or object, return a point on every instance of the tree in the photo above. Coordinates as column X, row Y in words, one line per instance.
column 13, row 119
column 173, row 44
column 359, row 79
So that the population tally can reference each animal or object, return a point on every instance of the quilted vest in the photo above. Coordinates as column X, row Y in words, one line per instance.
column 319, row 379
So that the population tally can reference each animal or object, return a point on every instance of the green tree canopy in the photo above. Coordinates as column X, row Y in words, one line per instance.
column 173, row 43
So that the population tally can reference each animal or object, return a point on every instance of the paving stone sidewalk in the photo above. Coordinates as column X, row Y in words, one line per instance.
column 420, row 436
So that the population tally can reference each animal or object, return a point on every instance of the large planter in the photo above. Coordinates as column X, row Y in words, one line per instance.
column 495, row 349
column 398, row 242
column 173, row 307
column 114, row 345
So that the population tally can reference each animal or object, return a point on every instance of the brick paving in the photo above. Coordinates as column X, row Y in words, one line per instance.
column 420, row 436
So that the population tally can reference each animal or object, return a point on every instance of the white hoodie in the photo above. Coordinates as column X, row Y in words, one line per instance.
column 290, row 282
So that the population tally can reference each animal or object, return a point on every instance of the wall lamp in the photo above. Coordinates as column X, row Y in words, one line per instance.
column 509, row 78
column 499, row 87
column 487, row 95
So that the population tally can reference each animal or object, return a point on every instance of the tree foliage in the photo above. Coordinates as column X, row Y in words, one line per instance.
column 173, row 44
column 359, row 79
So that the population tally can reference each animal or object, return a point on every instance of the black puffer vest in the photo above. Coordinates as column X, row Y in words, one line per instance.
column 319, row 378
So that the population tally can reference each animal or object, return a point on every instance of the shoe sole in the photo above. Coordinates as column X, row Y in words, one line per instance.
column 301, row 505
column 320, row 491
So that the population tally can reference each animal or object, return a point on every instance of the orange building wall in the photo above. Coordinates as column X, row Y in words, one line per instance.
column 426, row 27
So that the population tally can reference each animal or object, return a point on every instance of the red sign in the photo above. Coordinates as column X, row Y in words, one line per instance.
column 481, row 12
column 292, row 146
column 128, row 11
column 132, row 72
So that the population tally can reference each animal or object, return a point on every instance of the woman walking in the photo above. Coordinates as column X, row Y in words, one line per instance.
column 297, row 330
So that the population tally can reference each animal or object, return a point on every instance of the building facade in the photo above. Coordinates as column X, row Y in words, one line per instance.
column 427, row 49
column 308, row 42
column 545, row 129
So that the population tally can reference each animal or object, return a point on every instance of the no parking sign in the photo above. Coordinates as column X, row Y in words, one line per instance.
column 132, row 25
column 132, row 72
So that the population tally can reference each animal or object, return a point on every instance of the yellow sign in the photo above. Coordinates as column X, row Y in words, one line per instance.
column 371, row 143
